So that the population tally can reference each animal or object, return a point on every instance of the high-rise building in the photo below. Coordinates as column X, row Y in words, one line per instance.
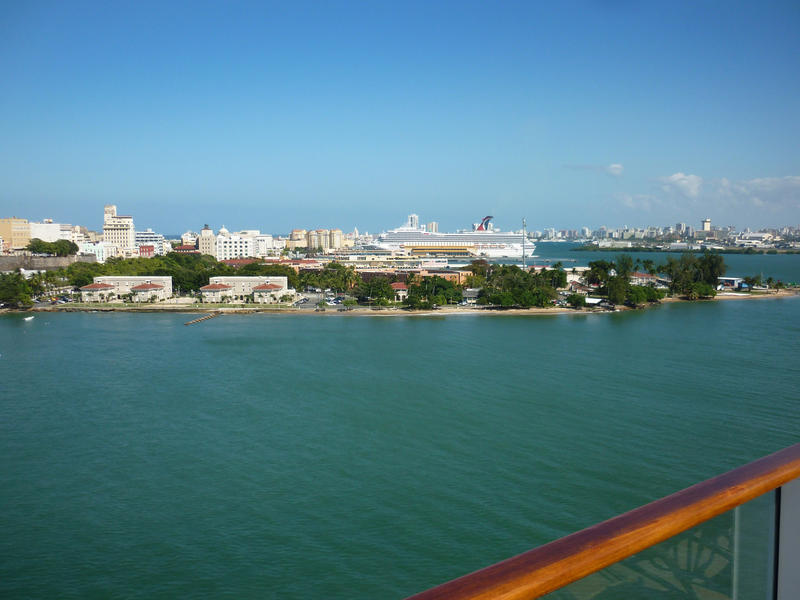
column 118, row 230
column 15, row 232
column 207, row 241
column 432, row 227
column 233, row 246
column 159, row 243
column 706, row 224
column 318, row 238
column 335, row 239
column 47, row 231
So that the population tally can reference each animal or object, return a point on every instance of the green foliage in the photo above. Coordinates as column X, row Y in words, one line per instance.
column 701, row 289
column 377, row 288
column 636, row 295
column 508, row 285
column 576, row 300
column 753, row 280
column 617, row 287
column 58, row 248
column 690, row 269
column 624, row 266
column 270, row 269
column 598, row 272
column 14, row 290
column 334, row 276
column 189, row 272
column 710, row 268
column 432, row 291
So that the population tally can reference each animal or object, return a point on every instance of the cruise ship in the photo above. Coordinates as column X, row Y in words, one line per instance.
column 482, row 241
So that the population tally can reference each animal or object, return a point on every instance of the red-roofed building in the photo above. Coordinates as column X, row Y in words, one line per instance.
column 119, row 287
column 400, row 291
column 263, row 289
column 97, row 292
column 145, row 292
column 215, row 292
column 186, row 249
column 269, row 293
column 239, row 262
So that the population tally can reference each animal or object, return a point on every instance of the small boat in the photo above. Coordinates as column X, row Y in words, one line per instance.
column 28, row 318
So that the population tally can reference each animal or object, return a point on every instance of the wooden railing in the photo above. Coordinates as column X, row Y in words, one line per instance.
column 559, row 563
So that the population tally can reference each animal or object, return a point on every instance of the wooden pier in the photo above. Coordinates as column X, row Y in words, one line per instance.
column 204, row 318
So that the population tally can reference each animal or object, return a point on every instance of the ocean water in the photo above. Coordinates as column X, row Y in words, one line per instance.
column 331, row 456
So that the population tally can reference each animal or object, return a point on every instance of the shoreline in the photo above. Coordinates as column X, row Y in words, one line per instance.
column 193, row 309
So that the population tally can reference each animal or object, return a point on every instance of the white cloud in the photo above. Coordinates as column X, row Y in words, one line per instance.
column 614, row 169
column 764, row 200
column 688, row 185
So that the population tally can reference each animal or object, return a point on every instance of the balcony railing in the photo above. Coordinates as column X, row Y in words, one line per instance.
column 736, row 536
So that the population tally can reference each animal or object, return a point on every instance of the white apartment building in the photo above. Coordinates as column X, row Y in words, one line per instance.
column 101, row 250
column 231, row 245
column 47, row 231
column 263, row 245
column 151, row 238
column 118, row 230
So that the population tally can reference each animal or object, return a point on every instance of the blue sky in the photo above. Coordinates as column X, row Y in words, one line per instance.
column 281, row 115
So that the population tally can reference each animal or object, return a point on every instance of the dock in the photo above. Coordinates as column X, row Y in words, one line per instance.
column 204, row 318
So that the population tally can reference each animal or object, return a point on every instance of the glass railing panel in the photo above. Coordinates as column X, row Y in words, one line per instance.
column 729, row 557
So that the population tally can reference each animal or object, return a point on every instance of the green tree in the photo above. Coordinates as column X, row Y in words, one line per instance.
column 576, row 300
column 710, row 268
column 617, row 289
column 624, row 266
column 59, row 247
column 636, row 296
column 377, row 288
column 701, row 289
column 14, row 290
column 598, row 272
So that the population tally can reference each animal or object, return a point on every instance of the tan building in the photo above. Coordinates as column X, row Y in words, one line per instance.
column 335, row 239
column 98, row 292
column 216, row 292
column 246, row 289
column 269, row 293
column 146, row 292
column 318, row 238
column 118, row 230
column 207, row 241
column 15, row 232
column 142, row 288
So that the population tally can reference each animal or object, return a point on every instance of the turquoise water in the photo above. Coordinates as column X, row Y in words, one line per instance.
column 361, row 457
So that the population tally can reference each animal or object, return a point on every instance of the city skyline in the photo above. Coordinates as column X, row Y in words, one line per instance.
column 349, row 115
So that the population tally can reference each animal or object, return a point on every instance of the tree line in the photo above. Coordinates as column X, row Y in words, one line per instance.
column 690, row 276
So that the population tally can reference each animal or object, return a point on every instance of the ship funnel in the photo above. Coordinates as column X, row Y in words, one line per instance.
column 484, row 226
